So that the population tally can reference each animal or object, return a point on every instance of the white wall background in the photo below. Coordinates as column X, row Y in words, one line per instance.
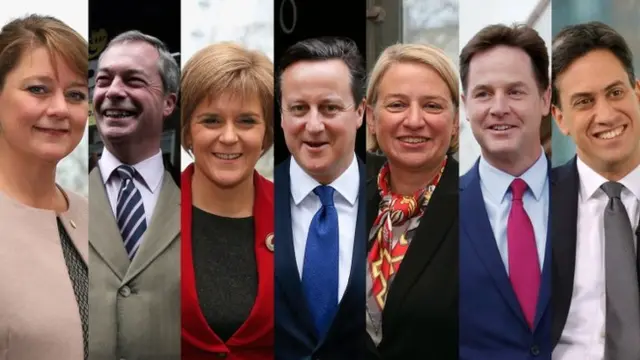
column 72, row 171
column 474, row 17
column 248, row 22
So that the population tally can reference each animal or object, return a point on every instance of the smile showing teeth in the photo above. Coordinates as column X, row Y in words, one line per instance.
column 118, row 113
column 227, row 156
column 413, row 139
column 611, row 133
column 501, row 127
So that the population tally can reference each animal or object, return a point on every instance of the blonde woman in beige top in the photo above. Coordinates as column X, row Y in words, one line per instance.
column 43, row 228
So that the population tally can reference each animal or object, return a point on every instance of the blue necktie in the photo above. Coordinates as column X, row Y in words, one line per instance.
column 320, row 269
column 131, row 219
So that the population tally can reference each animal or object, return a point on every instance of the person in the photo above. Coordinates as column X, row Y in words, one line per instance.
column 595, row 247
column 227, row 206
column 505, row 255
column 320, row 255
column 43, row 254
column 134, row 261
column 412, row 113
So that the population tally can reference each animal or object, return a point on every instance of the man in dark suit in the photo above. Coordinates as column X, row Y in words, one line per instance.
column 596, row 197
column 504, row 198
column 134, row 247
column 320, row 204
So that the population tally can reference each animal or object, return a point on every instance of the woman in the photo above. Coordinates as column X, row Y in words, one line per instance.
column 227, row 207
column 44, row 242
column 412, row 112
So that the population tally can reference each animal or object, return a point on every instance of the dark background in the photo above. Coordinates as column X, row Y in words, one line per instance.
column 314, row 19
column 159, row 19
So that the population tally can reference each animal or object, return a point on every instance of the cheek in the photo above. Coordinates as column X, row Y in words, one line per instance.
column 203, row 139
column 292, row 127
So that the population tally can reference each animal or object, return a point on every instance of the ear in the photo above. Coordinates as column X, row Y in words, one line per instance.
column 558, row 116
column 637, row 89
column 464, row 103
column 370, row 120
column 360, row 113
column 169, row 104
column 546, row 101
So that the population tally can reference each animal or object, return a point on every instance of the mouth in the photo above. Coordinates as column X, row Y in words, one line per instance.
column 413, row 139
column 224, row 156
column 119, row 113
column 501, row 127
column 610, row 134
column 316, row 144
column 51, row 131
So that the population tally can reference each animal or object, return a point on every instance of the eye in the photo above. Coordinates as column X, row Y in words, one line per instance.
column 583, row 102
column 616, row 93
column 37, row 89
column 77, row 96
column 480, row 94
column 210, row 121
column 396, row 106
column 248, row 121
column 433, row 106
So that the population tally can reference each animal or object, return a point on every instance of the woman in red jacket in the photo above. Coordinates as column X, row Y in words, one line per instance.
column 227, row 206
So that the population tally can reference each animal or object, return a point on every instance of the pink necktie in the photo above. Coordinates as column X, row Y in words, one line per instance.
column 524, row 267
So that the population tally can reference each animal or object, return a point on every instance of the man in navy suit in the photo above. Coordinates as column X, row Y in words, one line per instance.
column 320, row 224
column 504, row 198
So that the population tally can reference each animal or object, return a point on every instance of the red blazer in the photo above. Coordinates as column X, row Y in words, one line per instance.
column 254, row 339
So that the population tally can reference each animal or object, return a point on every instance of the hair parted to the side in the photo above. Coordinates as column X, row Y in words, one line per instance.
column 33, row 31
column 227, row 69
column 426, row 55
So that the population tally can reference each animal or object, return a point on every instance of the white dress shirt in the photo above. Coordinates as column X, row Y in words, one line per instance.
column 305, row 204
column 150, row 173
column 583, row 337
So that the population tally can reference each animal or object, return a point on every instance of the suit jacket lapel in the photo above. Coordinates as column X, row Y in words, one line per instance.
column 104, row 236
column 76, row 223
column 436, row 222
column 164, row 228
column 544, row 296
column 565, row 185
column 476, row 225
column 286, row 274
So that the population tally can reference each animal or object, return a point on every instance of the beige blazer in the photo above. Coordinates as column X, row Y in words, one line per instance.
column 134, row 306
column 39, row 316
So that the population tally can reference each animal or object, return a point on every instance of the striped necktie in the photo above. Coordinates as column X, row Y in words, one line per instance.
column 131, row 219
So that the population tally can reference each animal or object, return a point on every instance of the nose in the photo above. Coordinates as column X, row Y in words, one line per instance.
column 229, row 135
column 58, row 106
column 605, row 113
column 314, row 123
column 115, row 90
column 499, row 105
column 414, row 119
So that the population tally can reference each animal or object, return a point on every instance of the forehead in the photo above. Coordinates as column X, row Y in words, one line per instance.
column 580, row 76
column 500, row 65
column 130, row 56
column 38, row 62
column 316, row 79
column 408, row 77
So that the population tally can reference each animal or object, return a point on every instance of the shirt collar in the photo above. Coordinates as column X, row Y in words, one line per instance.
column 151, row 169
column 497, row 182
column 347, row 184
column 591, row 181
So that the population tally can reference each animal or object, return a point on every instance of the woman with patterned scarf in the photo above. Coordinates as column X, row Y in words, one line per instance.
column 412, row 272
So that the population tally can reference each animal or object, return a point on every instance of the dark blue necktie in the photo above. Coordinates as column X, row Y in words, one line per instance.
column 320, row 269
column 132, row 221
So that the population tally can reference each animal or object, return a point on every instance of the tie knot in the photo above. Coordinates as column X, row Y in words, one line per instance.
column 126, row 172
column 325, row 193
column 518, row 187
column 612, row 189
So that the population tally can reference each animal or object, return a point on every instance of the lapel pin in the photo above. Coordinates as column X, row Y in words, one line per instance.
column 269, row 242
column 73, row 224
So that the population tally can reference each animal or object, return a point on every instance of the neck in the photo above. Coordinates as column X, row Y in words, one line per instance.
column 30, row 180
column 613, row 171
column 131, row 153
column 514, row 164
column 327, row 178
column 233, row 202
column 406, row 181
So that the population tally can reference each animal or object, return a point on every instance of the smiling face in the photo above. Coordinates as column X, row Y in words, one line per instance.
column 319, row 117
column 504, row 104
column 43, row 107
column 600, row 110
column 414, row 117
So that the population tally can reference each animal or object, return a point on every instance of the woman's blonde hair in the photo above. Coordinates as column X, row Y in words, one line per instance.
column 33, row 31
column 227, row 68
column 414, row 53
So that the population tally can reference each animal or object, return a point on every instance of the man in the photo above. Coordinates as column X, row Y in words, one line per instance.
column 320, row 227
column 134, row 258
column 504, row 198
column 596, row 101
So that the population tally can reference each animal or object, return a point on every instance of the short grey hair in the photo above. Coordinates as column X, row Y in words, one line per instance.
column 167, row 65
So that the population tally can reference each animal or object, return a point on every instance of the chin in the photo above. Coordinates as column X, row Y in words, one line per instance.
column 227, row 181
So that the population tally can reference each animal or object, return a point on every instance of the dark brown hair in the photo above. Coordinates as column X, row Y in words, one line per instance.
column 517, row 36
column 575, row 41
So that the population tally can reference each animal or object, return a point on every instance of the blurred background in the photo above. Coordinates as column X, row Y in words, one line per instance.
column 622, row 15
column 72, row 171
column 535, row 13
column 248, row 22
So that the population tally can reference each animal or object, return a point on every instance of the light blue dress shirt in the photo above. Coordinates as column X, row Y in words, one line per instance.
column 495, row 185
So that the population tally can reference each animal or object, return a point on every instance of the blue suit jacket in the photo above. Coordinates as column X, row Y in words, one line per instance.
column 295, row 338
column 492, row 324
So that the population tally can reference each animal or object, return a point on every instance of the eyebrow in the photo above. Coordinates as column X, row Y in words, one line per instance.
column 509, row 85
column 587, row 93
column 211, row 114
column 128, row 72
column 49, row 79
column 427, row 97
